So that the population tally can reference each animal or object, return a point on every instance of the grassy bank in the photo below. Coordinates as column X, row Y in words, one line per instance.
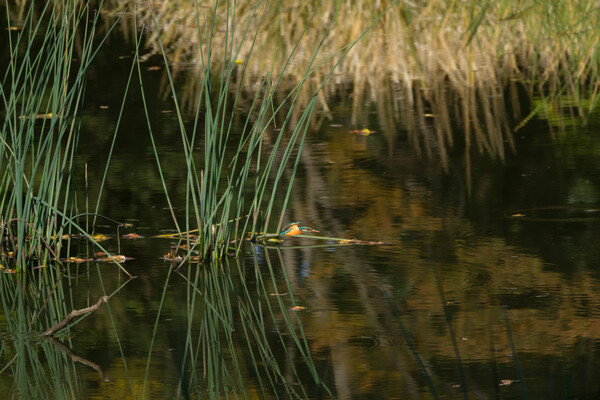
column 490, row 66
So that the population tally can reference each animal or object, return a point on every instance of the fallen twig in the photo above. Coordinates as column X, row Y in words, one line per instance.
column 73, row 314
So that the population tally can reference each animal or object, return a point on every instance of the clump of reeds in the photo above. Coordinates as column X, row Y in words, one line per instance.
column 42, row 91
column 43, row 88
column 240, row 182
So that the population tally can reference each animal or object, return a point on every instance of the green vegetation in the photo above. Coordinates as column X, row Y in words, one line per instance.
column 43, row 90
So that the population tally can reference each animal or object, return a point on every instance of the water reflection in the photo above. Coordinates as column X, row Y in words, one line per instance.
column 433, row 314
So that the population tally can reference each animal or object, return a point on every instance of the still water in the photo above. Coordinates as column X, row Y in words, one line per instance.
column 485, row 285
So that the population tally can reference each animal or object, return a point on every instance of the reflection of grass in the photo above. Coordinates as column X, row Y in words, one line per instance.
column 469, row 61
column 34, row 363
column 237, row 337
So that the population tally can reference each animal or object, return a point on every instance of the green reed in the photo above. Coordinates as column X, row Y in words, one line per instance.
column 42, row 92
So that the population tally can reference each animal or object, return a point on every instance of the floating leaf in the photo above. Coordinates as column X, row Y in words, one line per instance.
column 117, row 257
column 100, row 237
column 66, row 236
column 362, row 132
column 356, row 241
column 171, row 257
column 132, row 236
column 77, row 260
column 36, row 116
column 168, row 236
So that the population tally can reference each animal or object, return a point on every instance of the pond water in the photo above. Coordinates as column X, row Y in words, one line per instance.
column 485, row 285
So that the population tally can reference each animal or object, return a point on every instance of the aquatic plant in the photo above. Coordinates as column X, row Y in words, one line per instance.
column 42, row 92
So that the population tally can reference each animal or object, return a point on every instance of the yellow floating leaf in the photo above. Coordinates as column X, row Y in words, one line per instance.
column 100, row 237
column 168, row 236
column 77, row 260
column 362, row 132
column 117, row 257
column 238, row 62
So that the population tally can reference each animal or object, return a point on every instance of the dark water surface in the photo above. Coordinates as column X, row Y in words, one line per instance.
column 486, row 287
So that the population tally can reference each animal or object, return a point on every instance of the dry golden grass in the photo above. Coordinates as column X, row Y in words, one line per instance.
column 438, row 61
